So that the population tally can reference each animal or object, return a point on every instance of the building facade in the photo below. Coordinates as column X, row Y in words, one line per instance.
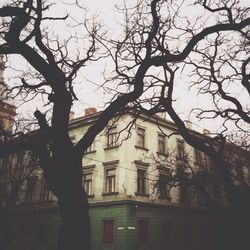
column 132, row 206
column 7, row 107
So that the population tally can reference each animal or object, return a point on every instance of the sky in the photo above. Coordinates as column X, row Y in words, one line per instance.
column 91, row 76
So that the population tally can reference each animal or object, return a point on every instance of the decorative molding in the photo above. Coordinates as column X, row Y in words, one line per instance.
column 141, row 163
column 88, row 167
column 108, row 163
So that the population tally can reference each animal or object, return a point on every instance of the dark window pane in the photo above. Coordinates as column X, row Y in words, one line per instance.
column 112, row 137
column 141, row 174
column 143, row 231
column 141, row 137
column 110, row 180
column 60, row 237
column 87, row 183
column 161, row 143
column 43, row 234
column 180, row 150
column 108, row 231
column 30, row 189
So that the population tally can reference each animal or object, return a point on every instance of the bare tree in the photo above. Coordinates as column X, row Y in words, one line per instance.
column 163, row 51
column 152, row 40
column 15, row 170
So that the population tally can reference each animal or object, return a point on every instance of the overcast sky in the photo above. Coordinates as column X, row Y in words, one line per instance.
column 89, row 94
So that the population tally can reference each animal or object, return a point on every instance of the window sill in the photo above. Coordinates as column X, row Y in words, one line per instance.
column 112, row 147
column 91, row 195
column 142, row 148
column 141, row 194
column 162, row 153
column 111, row 193
column 165, row 198
column 90, row 152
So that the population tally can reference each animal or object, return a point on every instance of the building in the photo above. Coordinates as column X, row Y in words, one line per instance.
column 7, row 107
column 131, row 204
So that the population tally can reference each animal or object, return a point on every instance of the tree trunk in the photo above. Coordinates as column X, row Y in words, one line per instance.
column 66, row 179
column 235, row 234
column 76, row 223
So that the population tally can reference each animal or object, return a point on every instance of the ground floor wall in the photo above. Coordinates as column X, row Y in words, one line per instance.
column 123, row 225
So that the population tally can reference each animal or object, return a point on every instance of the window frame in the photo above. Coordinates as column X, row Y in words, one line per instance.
column 142, row 166
column 141, row 137
column 141, row 179
column 87, row 170
column 88, row 190
column 163, row 149
column 112, row 138
column 30, row 192
column 45, row 192
column 199, row 160
column 104, row 242
column 140, row 237
column 43, row 234
column 163, row 186
column 110, row 179
column 180, row 154
column 91, row 148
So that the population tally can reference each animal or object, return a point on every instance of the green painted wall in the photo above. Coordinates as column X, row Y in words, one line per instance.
column 169, row 228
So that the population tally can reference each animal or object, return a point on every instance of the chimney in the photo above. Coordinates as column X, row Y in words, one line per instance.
column 188, row 124
column 90, row 111
column 71, row 115
column 206, row 132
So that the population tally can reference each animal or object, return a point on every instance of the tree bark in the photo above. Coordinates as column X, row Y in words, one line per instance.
column 76, row 223
column 65, row 180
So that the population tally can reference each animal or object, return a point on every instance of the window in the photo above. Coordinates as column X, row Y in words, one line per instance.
column 111, row 137
column 184, row 194
column 161, row 144
column 30, row 189
column 90, row 148
column 108, row 231
column 73, row 139
column 8, row 234
column 180, row 150
column 198, row 157
column 43, row 234
column 142, row 231
column 163, row 186
column 141, row 174
column 166, row 232
column 44, row 194
column 141, row 137
column 87, row 183
column 60, row 236
column 110, row 180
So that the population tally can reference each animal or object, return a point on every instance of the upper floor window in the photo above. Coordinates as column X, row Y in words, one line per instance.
column 180, row 149
column 90, row 148
column 184, row 189
column 87, row 183
column 164, row 190
column 198, row 157
column 111, row 137
column 31, row 189
column 45, row 193
column 161, row 144
column 141, row 137
column 110, row 180
column 73, row 139
column 141, row 181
